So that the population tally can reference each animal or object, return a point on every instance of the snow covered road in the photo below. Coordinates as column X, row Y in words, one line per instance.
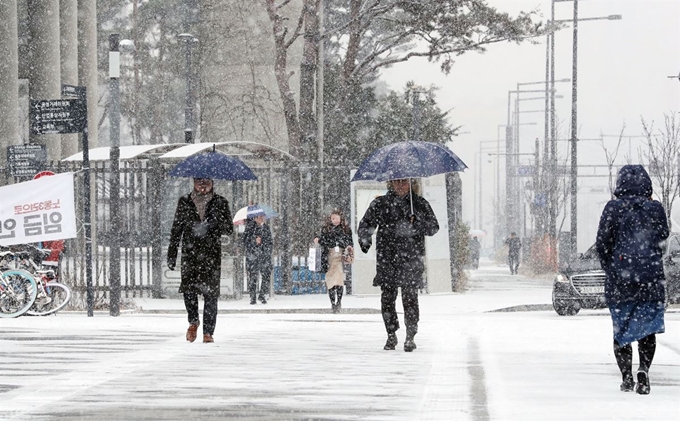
column 471, row 363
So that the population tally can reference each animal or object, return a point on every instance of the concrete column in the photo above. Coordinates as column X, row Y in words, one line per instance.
column 9, row 80
column 68, row 27
column 44, row 69
column 87, row 62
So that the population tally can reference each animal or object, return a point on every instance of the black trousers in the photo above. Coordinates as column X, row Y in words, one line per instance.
column 513, row 262
column 388, row 304
column 264, row 285
column 210, row 298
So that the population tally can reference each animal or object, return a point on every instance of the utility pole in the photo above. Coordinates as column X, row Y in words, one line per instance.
column 114, row 185
column 574, row 129
column 189, row 115
column 509, row 180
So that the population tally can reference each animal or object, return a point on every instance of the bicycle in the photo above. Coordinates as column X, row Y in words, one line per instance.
column 18, row 290
column 51, row 295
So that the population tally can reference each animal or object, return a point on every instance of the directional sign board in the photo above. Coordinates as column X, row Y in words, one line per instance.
column 26, row 160
column 71, row 91
column 58, row 116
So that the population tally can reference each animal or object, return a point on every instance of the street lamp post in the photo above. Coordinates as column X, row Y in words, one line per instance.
column 114, row 185
column 480, row 219
column 115, row 47
column 189, row 115
column 510, row 139
column 573, row 238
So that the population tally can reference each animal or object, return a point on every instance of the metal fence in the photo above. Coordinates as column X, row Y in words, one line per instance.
column 147, row 203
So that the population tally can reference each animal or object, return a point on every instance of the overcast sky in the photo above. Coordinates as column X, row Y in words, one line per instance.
column 623, row 69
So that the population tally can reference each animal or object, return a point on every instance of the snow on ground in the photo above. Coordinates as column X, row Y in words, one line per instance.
column 471, row 363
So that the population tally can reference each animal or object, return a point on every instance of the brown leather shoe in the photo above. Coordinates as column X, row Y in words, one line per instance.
column 191, row 332
column 207, row 338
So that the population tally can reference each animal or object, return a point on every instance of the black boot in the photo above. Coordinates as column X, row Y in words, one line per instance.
column 646, row 350
column 391, row 343
column 338, row 303
column 624, row 359
column 643, row 383
column 331, row 295
column 409, row 343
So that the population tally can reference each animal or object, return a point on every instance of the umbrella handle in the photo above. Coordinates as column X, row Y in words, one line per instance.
column 410, row 194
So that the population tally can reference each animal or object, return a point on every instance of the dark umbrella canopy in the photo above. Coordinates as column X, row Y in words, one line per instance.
column 214, row 165
column 412, row 159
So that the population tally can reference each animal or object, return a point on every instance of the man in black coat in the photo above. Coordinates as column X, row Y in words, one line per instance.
column 201, row 218
column 402, row 220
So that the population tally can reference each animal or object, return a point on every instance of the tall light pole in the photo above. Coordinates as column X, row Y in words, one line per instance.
column 114, row 185
column 115, row 46
column 189, row 114
column 510, row 140
column 512, row 153
column 480, row 219
column 573, row 237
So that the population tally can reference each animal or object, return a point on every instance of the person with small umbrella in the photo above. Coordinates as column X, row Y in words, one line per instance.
column 257, row 243
column 201, row 218
column 402, row 220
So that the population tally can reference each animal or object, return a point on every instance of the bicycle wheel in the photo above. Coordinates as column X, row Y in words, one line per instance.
column 56, row 297
column 18, row 290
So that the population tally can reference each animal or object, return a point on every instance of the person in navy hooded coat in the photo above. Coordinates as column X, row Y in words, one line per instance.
column 632, row 226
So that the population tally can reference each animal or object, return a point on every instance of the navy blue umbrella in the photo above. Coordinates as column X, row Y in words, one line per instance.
column 214, row 165
column 411, row 159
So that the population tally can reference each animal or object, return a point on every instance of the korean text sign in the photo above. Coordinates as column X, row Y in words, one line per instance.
column 38, row 210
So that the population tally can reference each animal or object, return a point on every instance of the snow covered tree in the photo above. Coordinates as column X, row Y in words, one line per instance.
column 663, row 155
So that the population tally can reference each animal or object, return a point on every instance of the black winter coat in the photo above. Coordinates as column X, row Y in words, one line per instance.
column 633, row 189
column 201, row 241
column 400, row 243
column 258, row 257
column 331, row 237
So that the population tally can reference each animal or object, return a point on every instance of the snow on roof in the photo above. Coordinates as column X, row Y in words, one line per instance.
column 126, row 152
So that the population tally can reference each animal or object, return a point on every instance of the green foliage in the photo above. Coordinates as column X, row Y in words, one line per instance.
column 349, row 115
column 398, row 114
column 366, row 122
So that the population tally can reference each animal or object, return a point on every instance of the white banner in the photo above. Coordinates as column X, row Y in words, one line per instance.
column 38, row 210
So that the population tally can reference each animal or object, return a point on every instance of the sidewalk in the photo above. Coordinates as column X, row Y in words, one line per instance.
column 472, row 363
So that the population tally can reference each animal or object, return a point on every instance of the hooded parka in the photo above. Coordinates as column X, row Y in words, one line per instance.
column 201, row 241
column 633, row 191
column 400, row 243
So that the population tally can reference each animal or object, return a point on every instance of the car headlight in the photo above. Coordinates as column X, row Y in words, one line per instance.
column 561, row 278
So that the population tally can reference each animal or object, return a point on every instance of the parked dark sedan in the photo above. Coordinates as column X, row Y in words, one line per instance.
column 580, row 283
